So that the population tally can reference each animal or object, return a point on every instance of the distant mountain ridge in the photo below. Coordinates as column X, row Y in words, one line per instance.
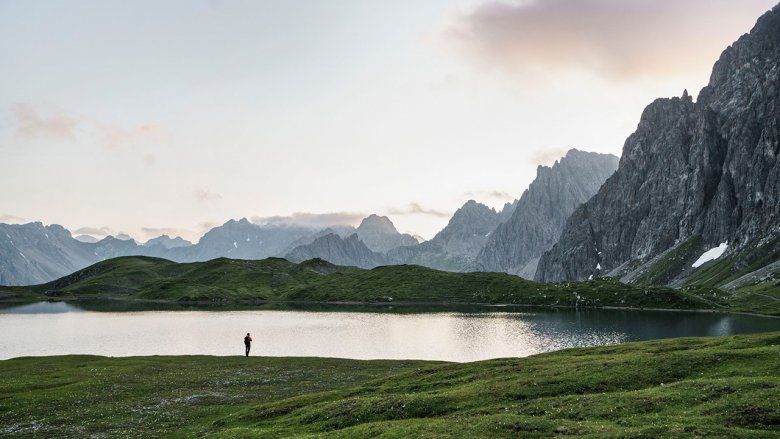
column 33, row 253
column 167, row 242
column 337, row 250
column 374, row 242
column 456, row 246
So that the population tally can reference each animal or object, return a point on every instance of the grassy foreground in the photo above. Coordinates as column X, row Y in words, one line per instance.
column 724, row 387
column 276, row 279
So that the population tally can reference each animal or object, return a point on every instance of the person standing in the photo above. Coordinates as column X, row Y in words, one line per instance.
column 247, row 343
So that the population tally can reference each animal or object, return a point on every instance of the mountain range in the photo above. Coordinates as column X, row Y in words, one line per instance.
column 34, row 253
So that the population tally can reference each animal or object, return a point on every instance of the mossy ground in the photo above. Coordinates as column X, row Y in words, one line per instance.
column 722, row 387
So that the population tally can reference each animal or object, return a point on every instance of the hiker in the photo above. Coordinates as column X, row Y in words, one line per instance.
column 247, row 343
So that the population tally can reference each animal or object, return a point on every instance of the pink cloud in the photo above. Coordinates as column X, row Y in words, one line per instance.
column 31, row 124
column 206, row 195
column 617, row 39
column 416, row 209
column 547, row 156
column 11, row 219
column 117, row 136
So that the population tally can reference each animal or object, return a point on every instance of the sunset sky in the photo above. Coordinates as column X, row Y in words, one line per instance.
column 150, row 117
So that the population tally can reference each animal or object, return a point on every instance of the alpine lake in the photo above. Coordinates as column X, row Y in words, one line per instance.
column 458, row 334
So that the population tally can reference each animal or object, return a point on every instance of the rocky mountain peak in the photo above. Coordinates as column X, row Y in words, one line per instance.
column 468, row 229
column 472, row 210
column 376, row 224
column 380, row 235
column 337, row 250
column 541, row 212
column 704, row 172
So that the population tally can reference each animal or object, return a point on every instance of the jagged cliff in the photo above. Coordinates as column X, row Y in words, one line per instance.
column 693, row 175
column 540, row 215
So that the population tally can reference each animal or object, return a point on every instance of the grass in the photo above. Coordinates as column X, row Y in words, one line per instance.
column 723, row 387
column 762, row 296
column 673, row 263
column 276, row 279
column 732, row 267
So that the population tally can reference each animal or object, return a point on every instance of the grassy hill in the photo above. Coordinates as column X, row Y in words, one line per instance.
column 276, row 279
column 720, row 387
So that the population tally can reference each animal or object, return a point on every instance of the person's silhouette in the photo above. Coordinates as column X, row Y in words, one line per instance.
column 247, row 343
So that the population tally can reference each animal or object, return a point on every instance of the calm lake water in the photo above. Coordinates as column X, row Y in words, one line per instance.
column 467, row 334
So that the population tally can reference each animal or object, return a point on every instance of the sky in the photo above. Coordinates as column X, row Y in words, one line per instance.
column 151, row 117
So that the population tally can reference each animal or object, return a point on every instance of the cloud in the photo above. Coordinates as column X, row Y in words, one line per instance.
column 313, row 220
column 33, row 122
column 173, row 232
column 99, row 231
column 501, row 195
column 116, row 136
column 546, row 156
column 207, row 195
column 207, row 225
column 11, row 219
column 55, row 124
column 416, row 209
column 153, row 232
column 616, row 39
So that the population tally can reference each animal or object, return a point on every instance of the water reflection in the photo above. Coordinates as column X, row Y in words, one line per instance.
column 456, row 334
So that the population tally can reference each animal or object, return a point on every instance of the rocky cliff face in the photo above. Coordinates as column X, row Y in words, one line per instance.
column 337, row 250
column 380, row 235
column 540, row 214
column 704, row 171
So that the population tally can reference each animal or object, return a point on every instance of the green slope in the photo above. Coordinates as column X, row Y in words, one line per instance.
column 751, row 258
column 718, row 387
column 761, row 294
column 276, row 279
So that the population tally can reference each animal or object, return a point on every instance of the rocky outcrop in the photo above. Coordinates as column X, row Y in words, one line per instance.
column 540, row 215
column 706, row 170
column 337, row 250
column 380, row 235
